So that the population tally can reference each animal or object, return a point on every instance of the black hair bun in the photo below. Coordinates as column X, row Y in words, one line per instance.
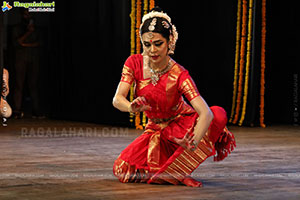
column 157, row 9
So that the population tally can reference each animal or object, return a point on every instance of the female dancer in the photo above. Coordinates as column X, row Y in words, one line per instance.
column 178, row 137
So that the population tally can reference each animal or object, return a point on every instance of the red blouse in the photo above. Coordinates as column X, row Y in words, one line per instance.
column 165, row 97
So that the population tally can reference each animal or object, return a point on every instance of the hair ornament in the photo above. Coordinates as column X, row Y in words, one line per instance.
column 165, row 24
column 152, row 24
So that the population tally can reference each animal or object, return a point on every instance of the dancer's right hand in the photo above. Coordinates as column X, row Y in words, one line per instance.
column 187, row 142
column 139, row 105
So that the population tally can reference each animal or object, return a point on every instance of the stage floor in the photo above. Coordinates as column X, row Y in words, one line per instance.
column 49, row 159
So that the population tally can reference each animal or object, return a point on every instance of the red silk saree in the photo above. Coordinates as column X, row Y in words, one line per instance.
column 154, row 157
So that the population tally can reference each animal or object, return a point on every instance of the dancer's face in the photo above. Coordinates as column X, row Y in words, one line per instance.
column 155, row 46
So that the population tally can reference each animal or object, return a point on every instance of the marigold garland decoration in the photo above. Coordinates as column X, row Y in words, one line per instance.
column 152, row 4
column 144, row 118
column 138, row 51
column 132, row 32
column 132, row 51
column 145, row 7
column 242, row 61
column 135, row 48
column 236, row 64
column 263, row 65
column 247, row 63
column 242, row 68
column 138, row 23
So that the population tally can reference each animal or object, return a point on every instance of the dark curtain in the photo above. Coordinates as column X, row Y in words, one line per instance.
column 86, row 44
column 282, row 60
column 87, row 49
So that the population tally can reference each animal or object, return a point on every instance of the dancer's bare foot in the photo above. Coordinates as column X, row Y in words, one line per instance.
column 189, row 181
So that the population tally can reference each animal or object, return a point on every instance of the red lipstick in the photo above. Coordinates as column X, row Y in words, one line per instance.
column 154, row 57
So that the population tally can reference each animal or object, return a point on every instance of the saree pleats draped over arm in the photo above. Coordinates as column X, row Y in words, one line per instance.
column 154, row 157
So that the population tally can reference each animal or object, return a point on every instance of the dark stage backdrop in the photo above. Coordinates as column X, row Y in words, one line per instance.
column 85, row 46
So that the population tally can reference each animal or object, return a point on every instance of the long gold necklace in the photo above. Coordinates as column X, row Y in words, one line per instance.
column 155, row 75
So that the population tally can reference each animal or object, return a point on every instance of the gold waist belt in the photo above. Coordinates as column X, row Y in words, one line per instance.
column 162, row 120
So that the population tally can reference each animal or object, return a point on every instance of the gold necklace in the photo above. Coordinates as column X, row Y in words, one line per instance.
column 155, row 75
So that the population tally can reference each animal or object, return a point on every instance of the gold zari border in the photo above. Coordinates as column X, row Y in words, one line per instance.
column 189, row 89
column 127, row 75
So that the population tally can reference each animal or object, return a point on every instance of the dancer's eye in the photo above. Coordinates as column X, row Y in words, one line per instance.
column 158, row 44
column 147, row 44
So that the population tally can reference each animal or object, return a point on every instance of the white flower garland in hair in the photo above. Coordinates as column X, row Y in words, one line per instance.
column 173, row 40
column 174, row 32
column 156, row 14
